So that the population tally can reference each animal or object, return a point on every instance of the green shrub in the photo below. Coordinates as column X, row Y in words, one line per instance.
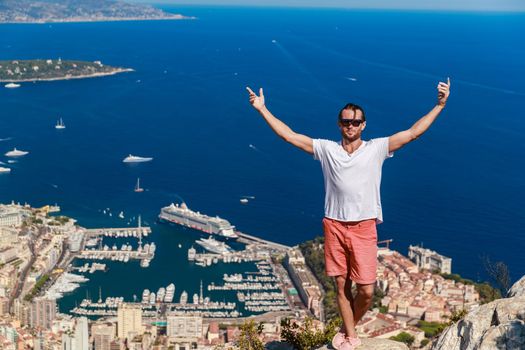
column 404, row 337
column 249, row 338
column 431, row 329
column 304, row 336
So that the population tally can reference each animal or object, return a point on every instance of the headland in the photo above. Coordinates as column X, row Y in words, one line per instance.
column 57, row 11
column 15, row 71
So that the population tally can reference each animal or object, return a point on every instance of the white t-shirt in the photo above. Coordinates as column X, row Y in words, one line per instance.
column 352, row 181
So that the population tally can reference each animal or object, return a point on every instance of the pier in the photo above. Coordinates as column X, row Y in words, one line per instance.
column 96, row 251
column 115, row 254
column 119, row 232
column 249, row 239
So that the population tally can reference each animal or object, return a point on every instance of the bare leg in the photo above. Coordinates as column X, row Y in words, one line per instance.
column 362, row 301
column 345, row 301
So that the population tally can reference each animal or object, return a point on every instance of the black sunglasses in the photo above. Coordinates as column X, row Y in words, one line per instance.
column 353, row 122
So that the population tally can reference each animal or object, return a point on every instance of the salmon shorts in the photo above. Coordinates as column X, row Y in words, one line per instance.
column 350, row 249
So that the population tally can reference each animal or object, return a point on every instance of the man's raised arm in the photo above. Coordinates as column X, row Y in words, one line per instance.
column 281, row 129
column 400, row 139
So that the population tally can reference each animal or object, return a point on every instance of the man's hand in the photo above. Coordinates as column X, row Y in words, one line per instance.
column 443, row 92
column 256, row 101
column 400, row 139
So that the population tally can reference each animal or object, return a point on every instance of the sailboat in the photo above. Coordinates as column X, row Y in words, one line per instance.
column 60, row 124
column 137, row 186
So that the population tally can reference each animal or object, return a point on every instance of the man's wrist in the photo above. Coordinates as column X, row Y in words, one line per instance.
column 441, row 104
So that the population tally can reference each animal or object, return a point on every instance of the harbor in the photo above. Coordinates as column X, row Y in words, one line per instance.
column 250, row 284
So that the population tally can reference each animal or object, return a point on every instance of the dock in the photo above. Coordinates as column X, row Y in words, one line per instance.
column 249, row 239
column 108, row 254
column 119, row 232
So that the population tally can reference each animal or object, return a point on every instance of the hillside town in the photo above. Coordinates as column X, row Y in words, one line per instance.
column 37, row 247
column 38, row 11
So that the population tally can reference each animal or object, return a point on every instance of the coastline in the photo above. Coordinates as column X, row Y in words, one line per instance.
column 95, row 75
column 103, row 19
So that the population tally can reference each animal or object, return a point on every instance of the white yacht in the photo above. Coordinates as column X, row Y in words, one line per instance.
column 16, row 153
column 184, row 298
column 136, row 159
column 214, row 246
column 145, row 296
column 60, row 124
column 170, row 293
column 12, row 86
column 161, row 293
column 4, row 170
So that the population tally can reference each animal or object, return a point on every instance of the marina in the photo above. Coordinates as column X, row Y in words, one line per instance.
column 245, row 290
column 65, row 283
column 151, row 305
column 119, row 232
column 144, row 254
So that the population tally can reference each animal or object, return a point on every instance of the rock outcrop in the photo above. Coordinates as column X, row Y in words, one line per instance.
column 496, row 325
column 376, row 344
column 518, row 289
column 368, row 344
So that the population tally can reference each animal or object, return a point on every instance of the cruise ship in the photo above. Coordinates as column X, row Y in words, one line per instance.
column 214, row 246
column 16, row 153
column 182, row 215
column 4, row 170
column 136, row 159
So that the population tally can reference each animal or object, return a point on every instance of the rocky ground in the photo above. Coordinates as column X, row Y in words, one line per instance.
column 496, row 325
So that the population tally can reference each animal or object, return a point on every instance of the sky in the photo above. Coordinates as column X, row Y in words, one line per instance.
column 455, row 5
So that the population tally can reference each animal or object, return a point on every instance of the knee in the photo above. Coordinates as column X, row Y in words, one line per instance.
column 340, row 283
column 367, row 293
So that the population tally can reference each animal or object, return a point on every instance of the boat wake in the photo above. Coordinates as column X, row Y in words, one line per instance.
column 405, row 70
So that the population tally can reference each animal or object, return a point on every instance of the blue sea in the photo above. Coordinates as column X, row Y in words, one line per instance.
column 459, row 189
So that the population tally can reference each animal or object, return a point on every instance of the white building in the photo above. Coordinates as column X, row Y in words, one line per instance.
column 75, row 241
column 81, row 334
column 103, row 334
column 10, row 217
column 42, row 313
column 8, row 236
column 429, row 259
column 129, row 321
column 7, row 254
column 184, row 326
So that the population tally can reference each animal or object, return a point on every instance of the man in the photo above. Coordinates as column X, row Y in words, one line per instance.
column 352, row 177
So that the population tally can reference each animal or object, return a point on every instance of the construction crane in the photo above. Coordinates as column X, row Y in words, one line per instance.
column 386, row 241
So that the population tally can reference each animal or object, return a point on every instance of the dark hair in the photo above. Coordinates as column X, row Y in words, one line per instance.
column 352, row 107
